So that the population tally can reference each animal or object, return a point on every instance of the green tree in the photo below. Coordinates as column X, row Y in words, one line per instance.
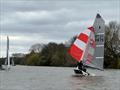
column 33, row 59
column 47, row 53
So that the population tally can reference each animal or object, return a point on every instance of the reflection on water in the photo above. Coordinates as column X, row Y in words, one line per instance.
column 57, row 78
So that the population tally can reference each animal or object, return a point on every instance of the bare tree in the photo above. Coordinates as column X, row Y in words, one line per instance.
column 112, row 45
column 36, row 47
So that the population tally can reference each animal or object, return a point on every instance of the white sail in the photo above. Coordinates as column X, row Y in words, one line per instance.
column 7, row 62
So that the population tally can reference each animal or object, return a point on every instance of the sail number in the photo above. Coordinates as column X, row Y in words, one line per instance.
column 99, row 38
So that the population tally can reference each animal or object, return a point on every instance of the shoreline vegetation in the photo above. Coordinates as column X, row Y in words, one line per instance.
column 53, row 54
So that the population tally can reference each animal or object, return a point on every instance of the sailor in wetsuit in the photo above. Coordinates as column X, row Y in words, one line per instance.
column 0, row 66
column 81, row 67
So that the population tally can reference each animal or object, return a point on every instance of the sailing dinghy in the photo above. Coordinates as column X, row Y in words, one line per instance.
column 88, row 47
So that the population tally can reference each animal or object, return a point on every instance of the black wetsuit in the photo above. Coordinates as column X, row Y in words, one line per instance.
column 81, row 66
column 0, row 66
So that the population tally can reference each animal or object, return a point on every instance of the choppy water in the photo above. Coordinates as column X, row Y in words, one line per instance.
column 57, row 78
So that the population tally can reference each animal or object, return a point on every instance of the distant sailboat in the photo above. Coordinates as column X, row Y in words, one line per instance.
column 88, row 48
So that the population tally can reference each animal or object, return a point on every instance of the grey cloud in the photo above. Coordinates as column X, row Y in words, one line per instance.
column 56, row 20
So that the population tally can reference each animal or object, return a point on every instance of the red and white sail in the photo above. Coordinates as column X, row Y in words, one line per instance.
column 84, row 46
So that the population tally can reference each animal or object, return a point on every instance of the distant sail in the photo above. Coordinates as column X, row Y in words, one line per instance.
column 88, row 42
column 7, row 62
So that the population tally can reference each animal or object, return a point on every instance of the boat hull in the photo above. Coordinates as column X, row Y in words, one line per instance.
column 80, row 72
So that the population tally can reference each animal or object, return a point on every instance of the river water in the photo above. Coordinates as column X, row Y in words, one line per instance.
column 57, row 78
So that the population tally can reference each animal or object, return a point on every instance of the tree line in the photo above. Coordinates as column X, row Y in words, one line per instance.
column 53, row 54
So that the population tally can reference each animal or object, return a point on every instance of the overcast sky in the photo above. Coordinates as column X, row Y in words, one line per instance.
column 43, row 21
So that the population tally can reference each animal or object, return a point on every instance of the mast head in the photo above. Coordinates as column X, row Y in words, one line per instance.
column 98, row 15
column 99, row 24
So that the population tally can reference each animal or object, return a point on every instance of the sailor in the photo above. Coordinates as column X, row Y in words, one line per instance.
column 81, row 66
column 0, row 66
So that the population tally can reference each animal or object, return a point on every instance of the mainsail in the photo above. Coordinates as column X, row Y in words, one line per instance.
column 99, row 27
column 88, row 42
